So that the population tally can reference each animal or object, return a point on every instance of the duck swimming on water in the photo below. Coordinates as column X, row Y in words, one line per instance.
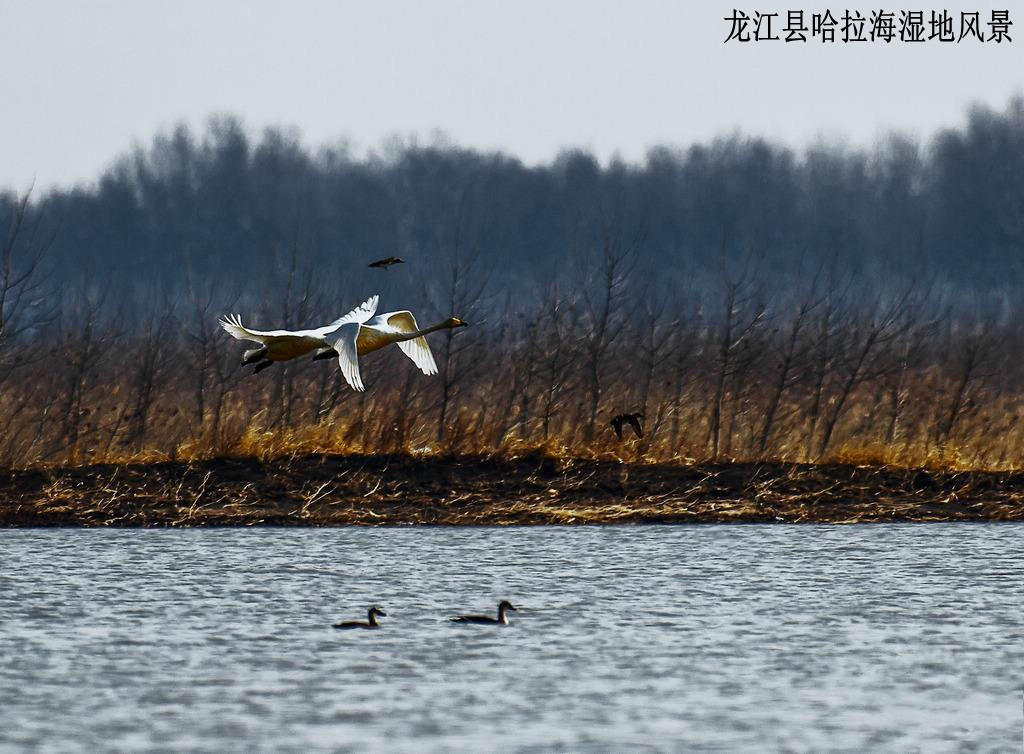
column 502, row 618
column 370, row 622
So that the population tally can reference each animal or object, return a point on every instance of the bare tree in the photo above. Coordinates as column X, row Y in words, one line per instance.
column 84, row 338
column 294, row 307
column 823, row 354
column 654, row 346
column 865, row 335
column 26, row 299
column 516, row 365
column 602, row 287
column 526, row 376
column 971, row 359
column 907, row 353
column 742, row 314
column 151, row 357
column 791, row 353
column 686, row 344
column 555, row 356
column 462, row 296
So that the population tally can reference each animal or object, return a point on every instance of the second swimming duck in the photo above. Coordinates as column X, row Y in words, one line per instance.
column 502, row 618
column 371, row 621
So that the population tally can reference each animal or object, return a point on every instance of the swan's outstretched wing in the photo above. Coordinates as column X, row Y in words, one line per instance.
column 360, row 315
column 348, row 357
column 416, row 349
column 232, row 324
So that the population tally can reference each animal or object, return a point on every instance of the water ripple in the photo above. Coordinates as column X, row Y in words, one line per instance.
column 717, row 638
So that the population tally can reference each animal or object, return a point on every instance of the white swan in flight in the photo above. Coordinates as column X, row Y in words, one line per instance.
column 364, row 333
column 282, row 345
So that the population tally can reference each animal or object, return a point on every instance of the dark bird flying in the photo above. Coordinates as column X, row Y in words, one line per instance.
column 383, row 264
column 632, row 420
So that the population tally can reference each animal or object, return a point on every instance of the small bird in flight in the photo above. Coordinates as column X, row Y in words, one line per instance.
column 632, row 420
column 386, row 262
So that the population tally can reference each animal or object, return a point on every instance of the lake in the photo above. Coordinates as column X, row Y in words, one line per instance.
column 713, row 638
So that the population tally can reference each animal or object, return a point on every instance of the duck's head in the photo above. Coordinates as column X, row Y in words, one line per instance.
column 377, row 611
column 506, row 605
column 455, row 322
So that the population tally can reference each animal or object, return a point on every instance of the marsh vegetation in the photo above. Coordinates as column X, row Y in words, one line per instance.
column 753, row 304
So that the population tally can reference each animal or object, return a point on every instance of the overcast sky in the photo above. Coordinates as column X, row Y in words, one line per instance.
column 80, row 82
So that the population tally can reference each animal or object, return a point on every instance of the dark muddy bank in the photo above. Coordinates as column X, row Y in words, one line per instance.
column 335, row 490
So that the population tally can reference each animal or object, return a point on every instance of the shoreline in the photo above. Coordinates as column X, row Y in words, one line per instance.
column 332, row 490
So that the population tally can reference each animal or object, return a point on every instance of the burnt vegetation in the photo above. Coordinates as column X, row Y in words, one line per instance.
column 529, row 488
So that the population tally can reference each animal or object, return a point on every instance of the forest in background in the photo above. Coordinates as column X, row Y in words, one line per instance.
column 753, row 302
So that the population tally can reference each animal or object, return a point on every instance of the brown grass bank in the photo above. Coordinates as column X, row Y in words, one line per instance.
column 323, row 490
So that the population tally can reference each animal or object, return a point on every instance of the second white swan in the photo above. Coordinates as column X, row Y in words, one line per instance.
column 365, row 333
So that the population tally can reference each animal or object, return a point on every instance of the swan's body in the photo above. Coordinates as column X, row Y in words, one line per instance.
column 367, row 333
column 370, row 622
column 282, row 345
column 502, row 618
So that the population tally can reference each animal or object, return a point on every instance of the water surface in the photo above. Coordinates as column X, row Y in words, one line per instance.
column 710, row 638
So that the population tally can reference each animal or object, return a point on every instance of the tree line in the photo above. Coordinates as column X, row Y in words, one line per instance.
column 226, row 203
